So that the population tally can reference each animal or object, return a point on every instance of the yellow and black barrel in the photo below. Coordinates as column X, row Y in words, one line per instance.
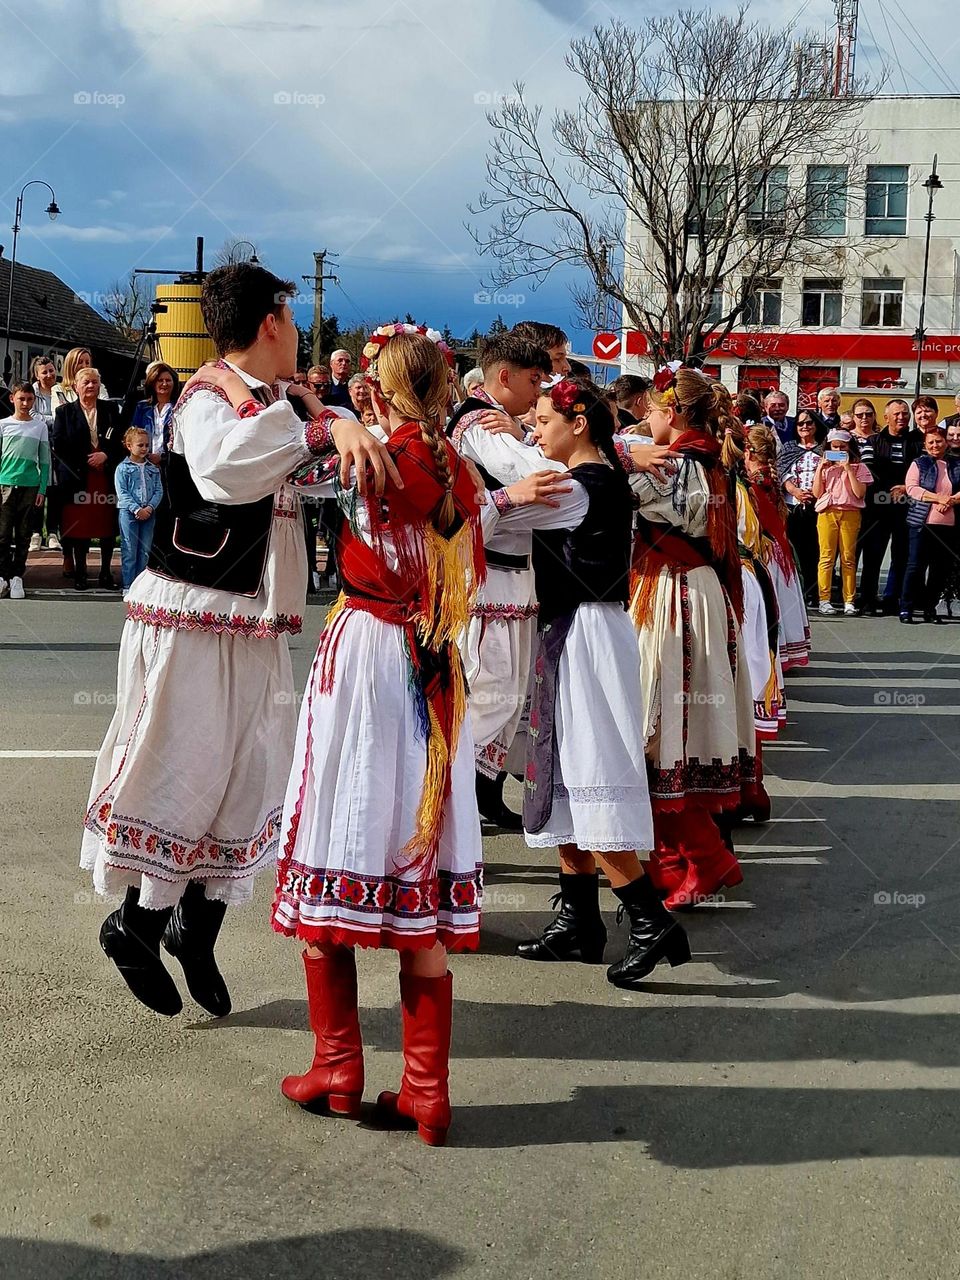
column 183, row 341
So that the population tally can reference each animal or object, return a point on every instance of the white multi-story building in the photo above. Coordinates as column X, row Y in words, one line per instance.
column 856, row 326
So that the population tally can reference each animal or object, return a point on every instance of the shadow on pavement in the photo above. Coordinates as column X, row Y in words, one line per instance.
column 693, row 1127
column 346, row 1255
column 568, row 1031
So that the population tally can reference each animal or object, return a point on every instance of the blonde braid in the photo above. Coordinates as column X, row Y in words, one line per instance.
column 413, row 380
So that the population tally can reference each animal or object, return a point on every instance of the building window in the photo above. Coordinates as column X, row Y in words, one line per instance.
column 882, row 303
column 826, row 199
column 811, row 379
column 885, row 377
column 822, row 303
column 758, row 378
column 887, row 199
column 767, row 213
column 765, row 305
column 708, row 201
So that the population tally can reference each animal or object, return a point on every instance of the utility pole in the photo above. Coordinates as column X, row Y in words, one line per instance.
column 317, row 279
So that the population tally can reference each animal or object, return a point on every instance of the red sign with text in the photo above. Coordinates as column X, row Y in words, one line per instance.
column 819, row 346
column 606, row 346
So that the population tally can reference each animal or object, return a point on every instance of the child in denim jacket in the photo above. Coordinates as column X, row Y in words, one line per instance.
column 139, row 492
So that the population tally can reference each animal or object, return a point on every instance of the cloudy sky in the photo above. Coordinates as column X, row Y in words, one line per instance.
column 352, row 125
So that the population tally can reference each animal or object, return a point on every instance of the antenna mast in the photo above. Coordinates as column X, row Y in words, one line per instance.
column 845, row 55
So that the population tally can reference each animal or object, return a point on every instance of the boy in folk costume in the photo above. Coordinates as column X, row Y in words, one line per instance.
column 498, row 643
column 380, row 839
column 187, row 791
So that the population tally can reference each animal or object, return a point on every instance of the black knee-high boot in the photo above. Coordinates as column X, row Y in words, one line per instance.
column 191, row 936
column 577, row 931
column 131, row 936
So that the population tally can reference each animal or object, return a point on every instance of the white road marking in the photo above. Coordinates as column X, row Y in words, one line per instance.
column 880, row 682
column 796, row 789
column 779, row 862
column 872, row 709
column 48, row 755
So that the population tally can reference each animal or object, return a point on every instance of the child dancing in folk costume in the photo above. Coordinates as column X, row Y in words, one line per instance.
column 687, row 605
column 187, row 791
column 586, row 787
column 761, row 614
column 380, row 833
column 760, row 467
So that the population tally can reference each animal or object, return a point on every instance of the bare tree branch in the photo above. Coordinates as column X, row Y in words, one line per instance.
column 126, row 304
column 687, row 150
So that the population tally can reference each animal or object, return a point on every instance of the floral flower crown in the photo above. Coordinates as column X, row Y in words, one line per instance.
column 665, row 382
column 567, row 396
column 380, row 337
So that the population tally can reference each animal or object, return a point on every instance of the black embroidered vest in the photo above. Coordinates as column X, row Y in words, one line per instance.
column 216, row 545
column 591, row 562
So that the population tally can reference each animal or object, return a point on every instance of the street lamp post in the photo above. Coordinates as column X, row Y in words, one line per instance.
column 52, row 210
column 253, row 259
column 932, row 186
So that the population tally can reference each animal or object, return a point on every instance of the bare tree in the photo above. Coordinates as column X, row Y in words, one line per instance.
column 234, row 249
column 675, row 183
column 126, row 304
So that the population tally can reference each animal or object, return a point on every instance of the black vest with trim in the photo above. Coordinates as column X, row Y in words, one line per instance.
column 592, row 562
column 220, row 546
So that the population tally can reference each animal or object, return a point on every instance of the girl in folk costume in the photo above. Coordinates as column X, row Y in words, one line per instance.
column 380, row 842
column 687, row 605
column 761, row 615
column 760, row 466
column 585, row 787
column 188, row 787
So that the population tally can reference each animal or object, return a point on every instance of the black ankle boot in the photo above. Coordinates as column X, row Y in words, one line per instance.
column 191, row 936
column 491, row 805
column 130, row 936
column 577, row 932
column 654, row 935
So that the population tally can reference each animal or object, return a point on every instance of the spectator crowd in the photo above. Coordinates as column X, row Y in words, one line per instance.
column 878, row 480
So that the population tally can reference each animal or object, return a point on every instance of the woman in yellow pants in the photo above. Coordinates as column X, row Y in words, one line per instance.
column 839, row 485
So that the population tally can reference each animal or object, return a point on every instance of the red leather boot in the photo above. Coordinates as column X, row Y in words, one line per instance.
column 710, row 864
column 667, row 868
column 337, row 1071
column 423, row 1098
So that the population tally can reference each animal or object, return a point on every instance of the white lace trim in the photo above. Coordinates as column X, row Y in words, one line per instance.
column 601, row 795
column 549, row 839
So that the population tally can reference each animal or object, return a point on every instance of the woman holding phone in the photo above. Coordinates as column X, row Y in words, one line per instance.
column 839, row 485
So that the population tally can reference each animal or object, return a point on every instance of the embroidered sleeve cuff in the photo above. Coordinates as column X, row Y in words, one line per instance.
column 625, row 456
column 501, row 500
column 318, row 434
column 249, row 409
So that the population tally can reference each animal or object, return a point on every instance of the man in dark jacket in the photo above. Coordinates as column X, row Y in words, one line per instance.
column 895, row 446
column 341, row 367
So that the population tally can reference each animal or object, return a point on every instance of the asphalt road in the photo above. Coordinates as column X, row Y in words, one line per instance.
column 785, row 1106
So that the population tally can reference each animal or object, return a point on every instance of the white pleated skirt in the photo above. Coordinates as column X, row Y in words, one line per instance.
column 601, row 800
column 351, row 807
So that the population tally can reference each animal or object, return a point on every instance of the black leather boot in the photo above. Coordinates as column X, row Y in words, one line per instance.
column 191, row 937
column 130, row 936
column 491, row 804
column 577, row 932
column 654, row 934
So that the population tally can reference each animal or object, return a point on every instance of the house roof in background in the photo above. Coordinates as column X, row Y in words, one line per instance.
column 48, row 311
